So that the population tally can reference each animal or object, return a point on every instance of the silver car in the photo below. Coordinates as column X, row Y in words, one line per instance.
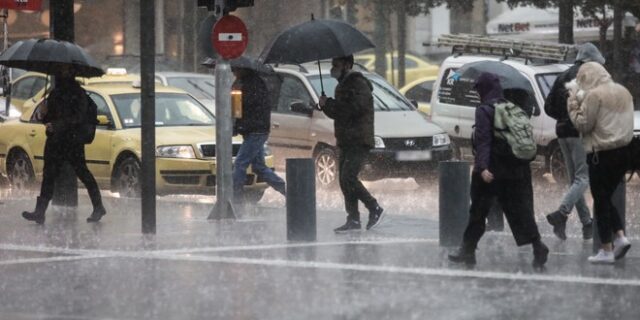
column 406, row 143
column 201, row 86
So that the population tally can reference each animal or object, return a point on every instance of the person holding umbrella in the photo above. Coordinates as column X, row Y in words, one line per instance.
column 352, row 113
column 65, row 111
column 254, row 126
column 498, row 173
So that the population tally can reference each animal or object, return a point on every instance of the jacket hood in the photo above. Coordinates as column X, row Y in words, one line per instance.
column 588, row 52
column 488, row 87
column 592, row 75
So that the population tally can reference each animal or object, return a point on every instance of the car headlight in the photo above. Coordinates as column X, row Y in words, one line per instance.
column 441, row 140
column 183, row 152
column 267, row 150
column 378, row 142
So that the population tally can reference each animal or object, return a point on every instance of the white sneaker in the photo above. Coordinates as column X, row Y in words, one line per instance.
column 620, row 247
column 603, row 257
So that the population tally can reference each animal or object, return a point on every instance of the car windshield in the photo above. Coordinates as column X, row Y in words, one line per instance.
column 172, row 109
column 199, row 87
column 386, row 97
column 545, row 82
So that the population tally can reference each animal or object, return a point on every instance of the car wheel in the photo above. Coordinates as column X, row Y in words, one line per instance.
column 20, row 171
column 326, row 168
column 557, row 167
column 253, row 196
column 128, row 178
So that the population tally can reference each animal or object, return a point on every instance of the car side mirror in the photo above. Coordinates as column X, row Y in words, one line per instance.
column 301, row 107
column 103, row 120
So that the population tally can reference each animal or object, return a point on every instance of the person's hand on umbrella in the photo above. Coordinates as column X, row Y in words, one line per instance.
column 322, row 102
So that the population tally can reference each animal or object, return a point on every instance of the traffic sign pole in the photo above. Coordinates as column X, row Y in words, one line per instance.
column 229, row 38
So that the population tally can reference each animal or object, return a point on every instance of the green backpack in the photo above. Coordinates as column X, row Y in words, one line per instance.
column 511, row 123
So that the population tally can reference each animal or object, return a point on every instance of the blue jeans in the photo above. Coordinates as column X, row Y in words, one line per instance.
column 252, row 153
column 575, row 158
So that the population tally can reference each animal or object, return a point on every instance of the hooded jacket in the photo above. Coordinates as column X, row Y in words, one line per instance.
column 556, row 103
column 66, row 110
column 489, row 152
column 256, row 115
column 600, row 109
column 352, row 111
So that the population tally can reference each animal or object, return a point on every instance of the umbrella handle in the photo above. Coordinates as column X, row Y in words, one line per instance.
column 320, row 73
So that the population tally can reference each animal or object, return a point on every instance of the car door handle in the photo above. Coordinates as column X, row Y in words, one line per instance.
column 33, row 133
column 276, row 125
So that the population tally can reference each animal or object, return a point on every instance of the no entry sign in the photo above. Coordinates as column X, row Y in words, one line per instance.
column 230, row 37
column 32, row 5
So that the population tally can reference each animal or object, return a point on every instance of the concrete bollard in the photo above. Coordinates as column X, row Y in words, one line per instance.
column 301, row 200
column 619, row 199
column 455, row 181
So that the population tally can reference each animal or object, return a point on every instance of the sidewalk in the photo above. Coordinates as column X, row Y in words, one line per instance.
column 198, row 269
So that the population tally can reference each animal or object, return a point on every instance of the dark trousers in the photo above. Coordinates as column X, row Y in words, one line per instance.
column 516, row 198
column 606, row 170
column 55, row 154
column 349, row 166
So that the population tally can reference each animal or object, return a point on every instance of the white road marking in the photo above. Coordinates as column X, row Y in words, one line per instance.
column 49, row 259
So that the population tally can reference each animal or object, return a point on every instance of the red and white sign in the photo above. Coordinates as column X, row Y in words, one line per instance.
column 230, row 37
column 30, row 5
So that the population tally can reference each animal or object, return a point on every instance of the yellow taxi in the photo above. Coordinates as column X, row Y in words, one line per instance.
column 419, row 93
column 416, row 67
column 29, row 87
column 185, row 140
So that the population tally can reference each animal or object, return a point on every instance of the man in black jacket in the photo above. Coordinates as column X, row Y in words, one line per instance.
column 352, row 114
column 66, row 110
column 571, row 146
column 254, row 126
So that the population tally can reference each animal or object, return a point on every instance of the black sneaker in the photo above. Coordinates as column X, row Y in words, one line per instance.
column 351, row 225
column 559, row 223
column 462, row 255
column 587, row 231
column 375, row 217
column 97, row 214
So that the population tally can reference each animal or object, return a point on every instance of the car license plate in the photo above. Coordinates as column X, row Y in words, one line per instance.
column 413, row 155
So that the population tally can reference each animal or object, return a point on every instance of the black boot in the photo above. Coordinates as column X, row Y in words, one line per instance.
column 540, row 254
column 465, row 254
column 97, row 214
column 38, row 214
column 559, row 222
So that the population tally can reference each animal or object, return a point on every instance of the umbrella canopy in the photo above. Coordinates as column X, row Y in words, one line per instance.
column 48, row 56
column 241, row 62
column 517, row 87
column 315, row 40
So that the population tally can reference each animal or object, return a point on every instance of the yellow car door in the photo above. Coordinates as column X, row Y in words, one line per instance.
column 35, row 135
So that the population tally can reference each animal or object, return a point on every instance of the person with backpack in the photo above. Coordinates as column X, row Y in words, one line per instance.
column 602, row 111
column 573, row 153
column 70, row 121
column 504, row 147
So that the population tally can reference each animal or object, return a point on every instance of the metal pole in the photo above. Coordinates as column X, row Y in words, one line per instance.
column 5, row 71
column 619, row 199
column 301, row 200
column 223, row 208
column 454, row 201
column 62, row 28
column 148, row 129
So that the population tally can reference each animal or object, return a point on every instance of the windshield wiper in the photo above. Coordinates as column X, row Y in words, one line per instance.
column 195, row 85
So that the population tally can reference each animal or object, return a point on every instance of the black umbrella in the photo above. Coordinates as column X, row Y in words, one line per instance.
column 48, row 56
column 517, row 87
column 315, row 40
column 244, row 62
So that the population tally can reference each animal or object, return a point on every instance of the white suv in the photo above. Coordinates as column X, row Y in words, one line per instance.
column 453, row 106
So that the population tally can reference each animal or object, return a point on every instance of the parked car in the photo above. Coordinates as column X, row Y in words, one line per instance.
column 406, row 143
column 185, row 139
column 30, row 85
column 416, row 67
column 453, row 106
column 419, row 93
column 201, row 86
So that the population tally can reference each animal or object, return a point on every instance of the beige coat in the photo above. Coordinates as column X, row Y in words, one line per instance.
column 600, row 109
